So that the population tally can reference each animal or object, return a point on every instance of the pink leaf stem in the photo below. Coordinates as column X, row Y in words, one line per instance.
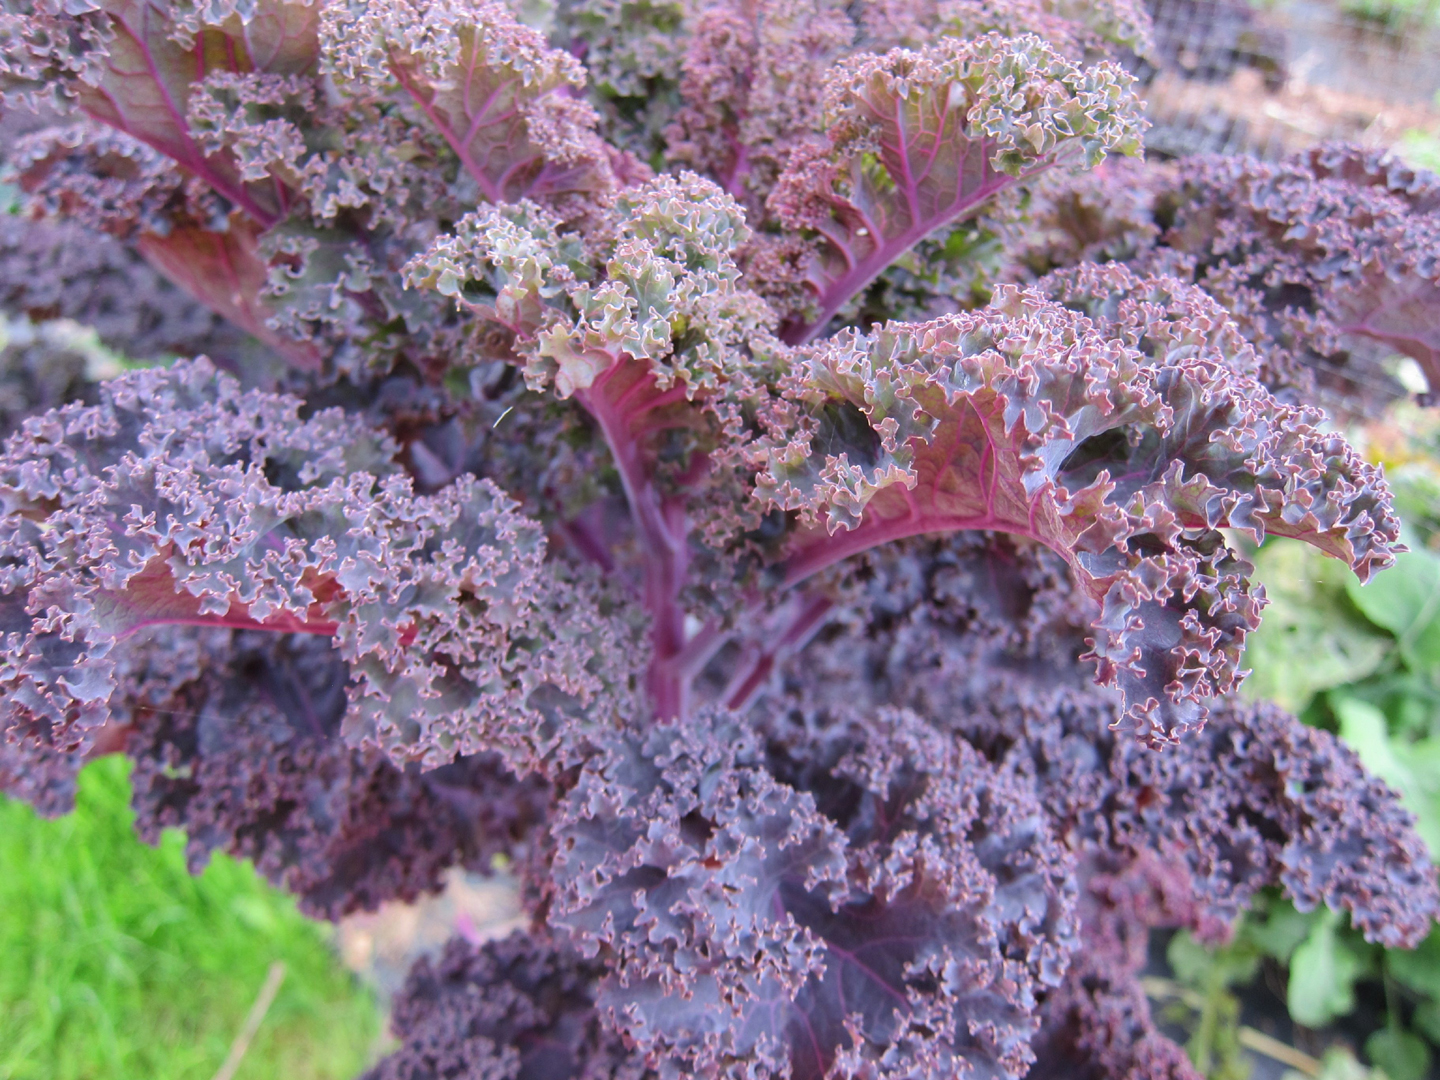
column 617, row 404
column 807, row 616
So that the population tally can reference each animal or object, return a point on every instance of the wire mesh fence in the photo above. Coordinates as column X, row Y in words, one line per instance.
column 1269, row 79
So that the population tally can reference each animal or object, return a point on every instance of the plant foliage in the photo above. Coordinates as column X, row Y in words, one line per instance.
column 686, row 451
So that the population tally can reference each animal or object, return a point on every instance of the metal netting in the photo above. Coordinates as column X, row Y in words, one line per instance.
column 1236, row 77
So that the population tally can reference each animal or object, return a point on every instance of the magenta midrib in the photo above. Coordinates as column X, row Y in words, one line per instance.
column 835, row 295
column 189, row 155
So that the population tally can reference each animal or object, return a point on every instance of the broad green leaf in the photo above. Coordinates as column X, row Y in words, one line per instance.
column 1417, row 969
column 1423, row 757
column 1281, row 929
column 1322, row 976
column 1199, row 967
column 1400, row 1054
column 1405, row 600
column 1311, row 639
column 1426, row 1019
column 1416, row 484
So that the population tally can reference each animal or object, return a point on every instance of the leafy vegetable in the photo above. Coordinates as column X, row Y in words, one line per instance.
column 918, row 140
column 1407, row 603
column 1322, row 976
column 692, row 455
column 1417, row 779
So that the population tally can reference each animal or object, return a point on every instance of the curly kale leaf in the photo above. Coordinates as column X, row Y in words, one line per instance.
column 880, row 901
column 182, row 499
column 1127, row 460
column 920, row 139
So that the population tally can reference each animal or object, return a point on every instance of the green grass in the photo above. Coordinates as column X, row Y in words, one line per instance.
column 115, row 963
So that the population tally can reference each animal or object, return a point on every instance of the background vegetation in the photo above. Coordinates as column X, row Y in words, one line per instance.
column 118, row 965
column 1363, row 662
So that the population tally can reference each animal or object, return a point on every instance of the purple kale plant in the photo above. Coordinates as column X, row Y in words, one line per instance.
column 770, row 472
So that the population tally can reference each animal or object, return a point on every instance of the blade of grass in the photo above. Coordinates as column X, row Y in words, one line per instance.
column 273, row 978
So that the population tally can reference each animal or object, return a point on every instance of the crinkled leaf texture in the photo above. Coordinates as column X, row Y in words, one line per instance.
column 885, row 904
column 1028, row 418
column 662, row 303
column 1336, row 244
column 980, row 634
column 517, row 1009
column 133, row 65
column 182, row 499
column 112, row 181
column 1187, row 837
column 1075, row 28
column 1098, row 1024
column 235, row 739
column 911, row 845
column 1277, row 802
column 652, row 334
column 138, row 68
column 1325, row 260
column 494, row 90
column 920, row 139
column 325, row 144
column 1256, row 800
column 62, row 270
